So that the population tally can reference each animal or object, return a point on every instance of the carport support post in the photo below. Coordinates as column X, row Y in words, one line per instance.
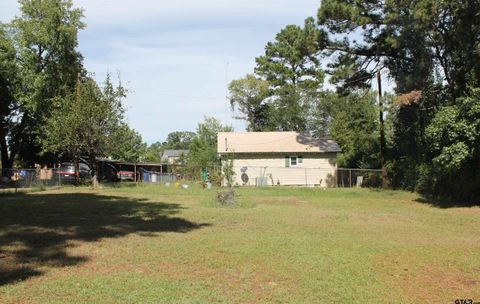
column 135, row 170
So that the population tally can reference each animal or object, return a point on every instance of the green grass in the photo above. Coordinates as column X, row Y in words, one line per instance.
column 152, row 244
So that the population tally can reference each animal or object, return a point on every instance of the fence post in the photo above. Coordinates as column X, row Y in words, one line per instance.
column 350, row 179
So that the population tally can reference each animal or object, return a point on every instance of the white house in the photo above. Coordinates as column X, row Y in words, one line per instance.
column 173, row 156
column 279, row 158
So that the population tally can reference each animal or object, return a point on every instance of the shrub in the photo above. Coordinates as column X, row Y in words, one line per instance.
column 226, row 197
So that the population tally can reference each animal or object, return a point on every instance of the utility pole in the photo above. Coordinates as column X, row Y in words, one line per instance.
column 382, row 133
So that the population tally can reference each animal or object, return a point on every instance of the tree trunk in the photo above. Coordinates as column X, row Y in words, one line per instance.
column 93, row 168
column 77, row 171
column 7, row 161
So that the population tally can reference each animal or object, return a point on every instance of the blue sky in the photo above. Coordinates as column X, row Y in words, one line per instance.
column 173, row 55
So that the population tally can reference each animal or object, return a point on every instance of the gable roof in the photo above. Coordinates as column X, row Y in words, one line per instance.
column 173, row 153
column 273, row 142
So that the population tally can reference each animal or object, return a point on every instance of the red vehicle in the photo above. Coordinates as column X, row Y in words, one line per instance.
column 126, row 175
column 66, row 173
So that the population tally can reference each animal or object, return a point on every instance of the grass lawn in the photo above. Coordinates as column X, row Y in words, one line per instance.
column 152, row 244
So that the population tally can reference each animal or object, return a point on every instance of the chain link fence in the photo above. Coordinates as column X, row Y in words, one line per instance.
column 288, row 176
column 346, row 178
column 245, row 176
column 311, row 177
column 153, row 177
column 28, row 178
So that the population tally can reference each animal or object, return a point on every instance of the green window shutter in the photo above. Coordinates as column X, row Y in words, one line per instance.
column 300, row 159
column 287, row 161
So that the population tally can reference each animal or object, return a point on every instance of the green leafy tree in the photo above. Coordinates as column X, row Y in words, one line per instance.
column 354, row 127
column 292, row 58
column 8, row 103
column 293, row 70
column 48, row 62
column 420, row 43
column 154, row 152
column 203, row 148
column 385, row 35
column 208, row 129
column 174, row 140
column 427, row 46
column 452, row 31
column 250, row 95
column 128, row 145
column 320, row 115
column 86, row 123
column 453, row 139
column 179, row 140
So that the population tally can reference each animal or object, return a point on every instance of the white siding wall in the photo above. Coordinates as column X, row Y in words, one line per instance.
column 317, row 169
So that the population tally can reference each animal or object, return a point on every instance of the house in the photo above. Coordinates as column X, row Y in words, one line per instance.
column 279, row 158
column 172, row 156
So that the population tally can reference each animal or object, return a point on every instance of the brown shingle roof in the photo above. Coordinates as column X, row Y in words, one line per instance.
column 273, row 142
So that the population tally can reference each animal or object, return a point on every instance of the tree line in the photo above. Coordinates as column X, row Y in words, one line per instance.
column 315, row 77
column 318, row 77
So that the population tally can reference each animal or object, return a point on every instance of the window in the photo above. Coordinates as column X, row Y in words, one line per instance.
column 293, row 161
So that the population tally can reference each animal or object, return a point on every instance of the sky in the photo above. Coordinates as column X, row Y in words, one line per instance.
column 176, row 57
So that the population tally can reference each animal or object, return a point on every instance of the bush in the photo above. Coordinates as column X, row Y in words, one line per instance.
column 226, row 197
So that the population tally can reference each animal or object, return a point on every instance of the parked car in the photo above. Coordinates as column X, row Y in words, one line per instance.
column 66, row 173
column 126, row 175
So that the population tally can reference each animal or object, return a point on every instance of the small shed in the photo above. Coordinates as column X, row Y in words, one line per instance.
column 279, row 158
